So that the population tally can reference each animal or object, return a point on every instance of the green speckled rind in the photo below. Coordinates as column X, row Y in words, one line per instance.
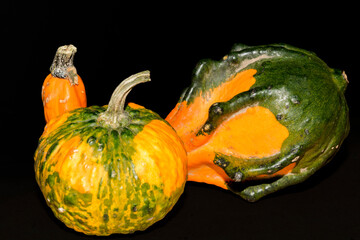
column 305, row 95
column 122, row 202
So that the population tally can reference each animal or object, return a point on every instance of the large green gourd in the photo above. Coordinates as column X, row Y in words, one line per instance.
column 261, row 119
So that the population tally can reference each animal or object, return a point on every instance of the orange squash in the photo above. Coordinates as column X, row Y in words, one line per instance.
column 63, row 89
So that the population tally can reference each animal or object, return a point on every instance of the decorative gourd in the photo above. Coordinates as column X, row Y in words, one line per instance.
column 105, row 170
column 261, row 119
column 63, row 90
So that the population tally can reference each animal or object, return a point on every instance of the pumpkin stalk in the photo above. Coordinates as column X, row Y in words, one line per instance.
column 115, row 115
column 63, row 64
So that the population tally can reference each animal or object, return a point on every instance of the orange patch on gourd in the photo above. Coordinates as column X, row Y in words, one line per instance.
column 187, row 119
column 164, row 161
column 77, row 166
column 209, row 175
column 253, row 133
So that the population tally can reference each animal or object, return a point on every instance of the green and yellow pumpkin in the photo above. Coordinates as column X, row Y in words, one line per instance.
column 105, row 170
column 261, row 119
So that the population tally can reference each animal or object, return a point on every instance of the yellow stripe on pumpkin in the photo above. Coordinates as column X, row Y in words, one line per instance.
column 135, row 106
column 77, row 166
column 164, row 160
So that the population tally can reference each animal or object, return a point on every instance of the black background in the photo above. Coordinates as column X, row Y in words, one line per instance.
column 169, row 39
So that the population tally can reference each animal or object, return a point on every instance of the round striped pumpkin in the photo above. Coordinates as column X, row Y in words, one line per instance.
column 105, row 170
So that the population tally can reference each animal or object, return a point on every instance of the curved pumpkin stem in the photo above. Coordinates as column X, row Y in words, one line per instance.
column 115, row 115
column 63, row 64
